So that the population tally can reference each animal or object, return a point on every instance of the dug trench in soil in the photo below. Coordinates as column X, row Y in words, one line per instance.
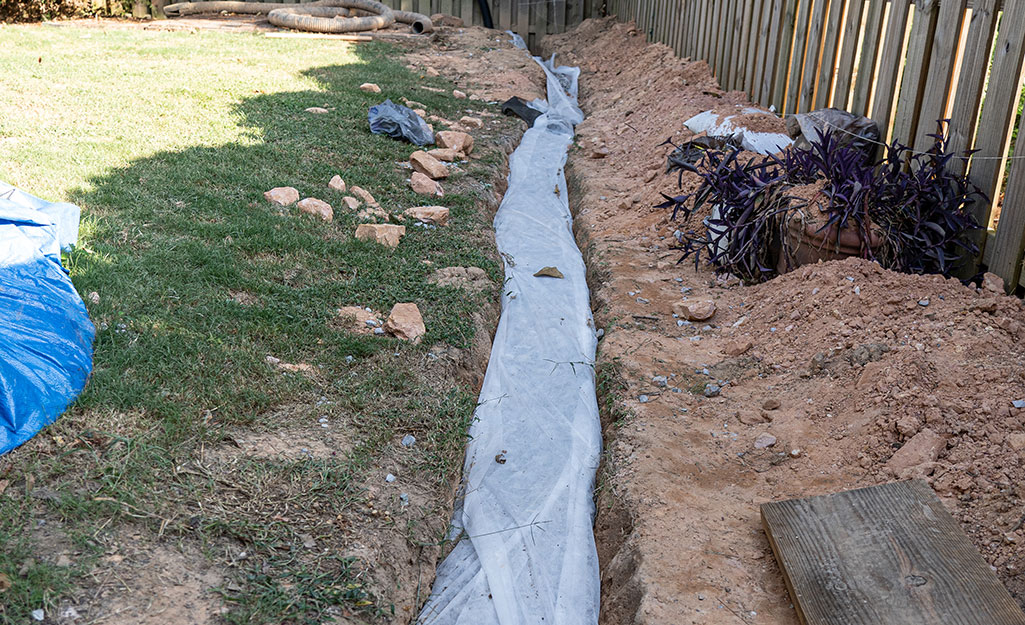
column 834, row 376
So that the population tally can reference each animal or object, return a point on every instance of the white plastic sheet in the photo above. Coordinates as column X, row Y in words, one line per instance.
column 526, row 552
column 715, row 125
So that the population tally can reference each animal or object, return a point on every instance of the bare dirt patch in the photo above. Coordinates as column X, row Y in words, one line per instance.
column 826, row 373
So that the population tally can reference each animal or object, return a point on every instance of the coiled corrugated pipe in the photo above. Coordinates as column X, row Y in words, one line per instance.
column 323, row 16
column 216, row 6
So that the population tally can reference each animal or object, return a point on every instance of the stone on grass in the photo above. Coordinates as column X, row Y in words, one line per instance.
column 405, row 322
column 471, row 122
column 337, row 184
column 358, row 319
column 317, row 110
column 369, row 87
column 388, row 235
column 350, row 202
column 694, row 311
column 446, row 154
column 459, row 95
column 318, row 208
column 428, row 165
column 364, row 195
column 430, row 71
column 282, row 196
column 423, row 185
column 437, row 215
column 459, row 141
column 413, row 104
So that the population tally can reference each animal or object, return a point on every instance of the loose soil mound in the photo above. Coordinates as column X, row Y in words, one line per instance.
column 844, row 373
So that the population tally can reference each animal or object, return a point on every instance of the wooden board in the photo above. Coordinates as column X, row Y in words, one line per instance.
column 941, row 67
column 978, row 44
column 830, row 48
column 797, row 55
column 883, row 555
column 785, row 43
column 923, row 26
column 889, row 65
column 848, row 53
column 809, row 74
column 866, row 79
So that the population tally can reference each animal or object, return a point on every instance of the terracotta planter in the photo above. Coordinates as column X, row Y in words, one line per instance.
column 808, row 245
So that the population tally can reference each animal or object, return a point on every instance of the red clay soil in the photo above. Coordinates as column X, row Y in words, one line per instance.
column 845, row 374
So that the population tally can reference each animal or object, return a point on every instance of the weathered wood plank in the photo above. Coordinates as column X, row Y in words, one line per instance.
column 890, row 61
column 797, row 56
column 761, row 35
column 941, row 66
column 751, row 44
column 915, row 70
column 978, row 45
column 848, row 52
column 784, row 49
column 1005, row 257
column 869, row 53
column 830, row 47
column 726, row 61
column 769, row 53
column 809, row 75
column 883, row 555
column 523, row 19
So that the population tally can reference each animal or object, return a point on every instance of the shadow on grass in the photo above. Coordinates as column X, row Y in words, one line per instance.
column 199, row 281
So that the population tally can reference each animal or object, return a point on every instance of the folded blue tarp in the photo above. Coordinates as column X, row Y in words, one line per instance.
column 45, row 333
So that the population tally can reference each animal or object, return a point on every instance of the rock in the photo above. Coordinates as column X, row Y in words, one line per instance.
column 430, row 71
column 600, row 152
column 317, row 110
column 459, row 95
column 1018, row 403
column 404, row 322
column 871, row 374
column 549, row 272
column 1016, row 441
column 472, row 278
column 408, row 440
column 389, row 478
column 93, row 297
column 738, row 347
column 428, row 165
column 282, row 196
column 413, row 104
column 447, row 154
column 437, row 215
column 712, row 390
column 441, row 19
column 308, row 541
column 749, row 417
column 796, row 453
column 423, row 185
column 38, row 615
column 471, row 122
column 660, row 381
column 694, row 311
column 923, row 302
column 388, row 235
column 358, row 319
column 350, row 202
column 771, row 404
column 993, row 283
column 650, row 175
column 923, row 449
column 369, row 87
column 337, row 184
column 458, row 141
column 318, row 208
column 764, row 441
column 364, row 195
column 63, row 560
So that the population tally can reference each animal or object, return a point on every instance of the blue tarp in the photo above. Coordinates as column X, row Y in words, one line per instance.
column 45, row 333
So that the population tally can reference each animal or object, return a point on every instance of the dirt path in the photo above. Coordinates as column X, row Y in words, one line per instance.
column 827, row 373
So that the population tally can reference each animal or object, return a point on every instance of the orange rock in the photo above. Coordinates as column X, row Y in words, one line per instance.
column 459, row 141
column 446, row 154
column 388, row 235
column 405, row 322
column 738, row 347
column 337, row 184
column 369, row 87
column 437, row 215
column 423, row 185
column 282, row 196
column 319, row 208
column 694, row 311
column 428, row 165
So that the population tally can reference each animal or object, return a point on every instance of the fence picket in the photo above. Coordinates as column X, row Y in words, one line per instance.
column 889, row 64
column 978, row 44
column 806, row 95
column 785, row 43
column 941, row 65
column 865, row 83
column 848, row 52
column 797, row 55
column 915, row 69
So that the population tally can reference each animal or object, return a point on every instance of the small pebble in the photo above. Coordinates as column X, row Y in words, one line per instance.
column 643, row 399
column 408, row 440
column 378, row 330
column 1018, row 403
column 404, row 499
column 600, row 333
column 348, row 360
column 389, row 478
column 372, row 323
column 923, row 302
column 641, row 300
column 712, row 390
column 660, row 381
column 680, row 322
column 765, row 440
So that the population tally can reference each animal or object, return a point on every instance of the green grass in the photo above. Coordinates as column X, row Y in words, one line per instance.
column 167, row 141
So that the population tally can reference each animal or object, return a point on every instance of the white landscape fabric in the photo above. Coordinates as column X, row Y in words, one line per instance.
column 526, row 553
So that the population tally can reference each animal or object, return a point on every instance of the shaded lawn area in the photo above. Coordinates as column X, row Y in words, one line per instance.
column 167, row 141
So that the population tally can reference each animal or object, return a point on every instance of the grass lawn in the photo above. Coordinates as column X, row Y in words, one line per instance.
column 167, row 141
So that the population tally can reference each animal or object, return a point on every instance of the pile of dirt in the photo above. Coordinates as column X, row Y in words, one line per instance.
column 835, row 376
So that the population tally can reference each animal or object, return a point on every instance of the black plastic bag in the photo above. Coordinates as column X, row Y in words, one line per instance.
column 399, row 122
column 516, row 106
column 846, row 128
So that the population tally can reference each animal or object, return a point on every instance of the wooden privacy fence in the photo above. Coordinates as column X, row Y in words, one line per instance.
column 903, row 63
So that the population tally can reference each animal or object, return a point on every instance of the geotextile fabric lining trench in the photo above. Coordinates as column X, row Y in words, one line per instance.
column 525, row 552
